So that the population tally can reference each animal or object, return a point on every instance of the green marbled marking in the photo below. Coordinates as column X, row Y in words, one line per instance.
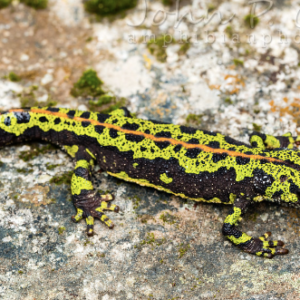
column 203, row 163
column 78, row 184
column 164, row 177
column 71, row 150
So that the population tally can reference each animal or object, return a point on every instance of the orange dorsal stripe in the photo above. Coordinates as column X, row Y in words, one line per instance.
column 153, row 138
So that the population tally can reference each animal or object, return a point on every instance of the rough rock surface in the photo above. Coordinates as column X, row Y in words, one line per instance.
column 161, row 247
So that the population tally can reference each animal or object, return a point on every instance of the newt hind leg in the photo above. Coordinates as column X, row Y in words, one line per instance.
column 258, row 246
column 88, row 203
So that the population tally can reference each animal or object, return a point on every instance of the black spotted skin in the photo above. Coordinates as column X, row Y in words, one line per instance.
column 187, row 162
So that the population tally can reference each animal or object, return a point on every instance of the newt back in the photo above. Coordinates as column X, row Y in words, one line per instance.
column 188, row 162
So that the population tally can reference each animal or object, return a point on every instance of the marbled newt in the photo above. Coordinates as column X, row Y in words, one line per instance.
column 190, row 163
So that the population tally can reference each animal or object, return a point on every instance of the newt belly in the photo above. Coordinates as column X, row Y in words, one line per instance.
column 187, row 162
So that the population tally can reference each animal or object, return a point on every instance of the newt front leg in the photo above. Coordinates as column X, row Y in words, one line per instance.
column 258, row 246
column 87, row 201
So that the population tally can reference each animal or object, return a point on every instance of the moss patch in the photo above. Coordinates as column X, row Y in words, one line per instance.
column 145, row 218
column 151, row 240
column 51, row 167
column 108, row 7
column 229, row 31
column 238, row 62
column 65, row 178
column 106, row 104
column 193, row 119
column 251, row 21
column 184, row 47
column 25, row 171
column 104, row 99
column 61, row 230
column 136, row 202
column 14, row 77
column 28, row 98
column 168, row 218
column 256, row 127
column 168, row 2
column 211, row 7
column 157, row 46
column 37, row 4
column 228, row 100
column 5, row 3
column 89, row 85
column 35, row 151
column 15, row 196
column 183, row 248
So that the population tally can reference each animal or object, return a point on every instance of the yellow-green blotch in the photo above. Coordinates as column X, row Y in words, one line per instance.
column 78, row 184
column 89, row 220
column 82, row 164
column 234, row 217
column 90, row 153
column 272, row 142
column 259, row 142
column 243, row 239
column 164, row 177
column 71, row 150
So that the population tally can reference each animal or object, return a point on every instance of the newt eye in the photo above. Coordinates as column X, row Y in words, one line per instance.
column 283, row 178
